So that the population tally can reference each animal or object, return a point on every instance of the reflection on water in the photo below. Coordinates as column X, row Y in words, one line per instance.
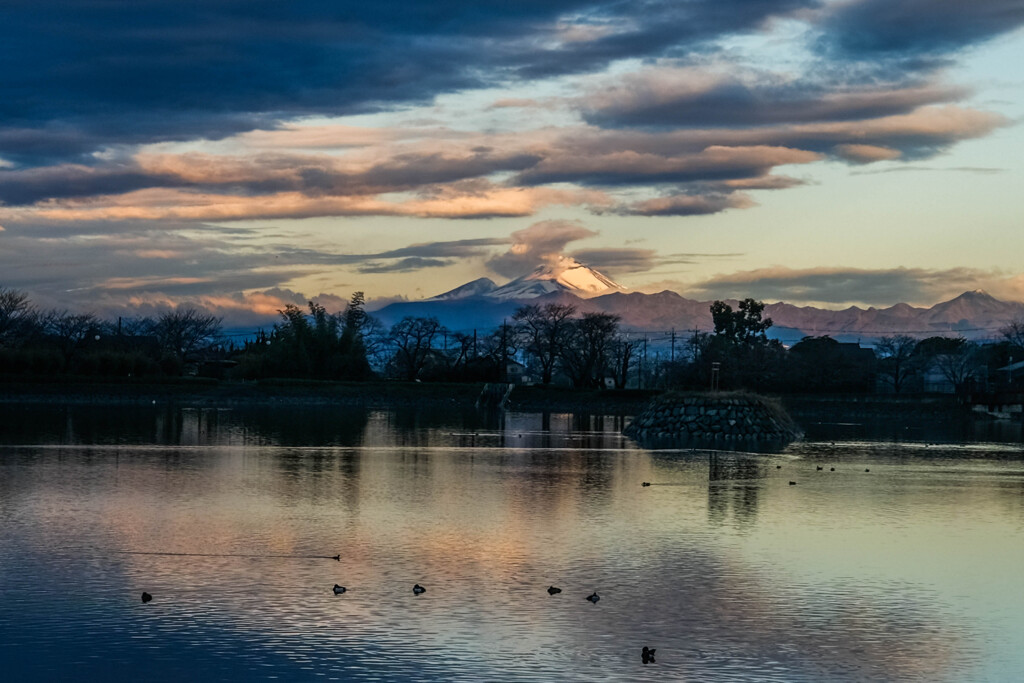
column 950, row 429
column 908, row 571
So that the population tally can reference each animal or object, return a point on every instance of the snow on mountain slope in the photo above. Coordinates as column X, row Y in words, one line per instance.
column 482, row 304
column 480, row 287
column 974, row 315
column 977, row 306
column 564, row 275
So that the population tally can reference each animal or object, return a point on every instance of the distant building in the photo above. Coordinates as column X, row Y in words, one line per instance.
column 1010, row 376
column 517, row 373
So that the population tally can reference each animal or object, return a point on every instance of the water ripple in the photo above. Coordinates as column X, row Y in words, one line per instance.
column 903, row 573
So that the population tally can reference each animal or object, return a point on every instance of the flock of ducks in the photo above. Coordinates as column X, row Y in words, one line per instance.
column 818, row 468
column 647, row 655
column 420, row 590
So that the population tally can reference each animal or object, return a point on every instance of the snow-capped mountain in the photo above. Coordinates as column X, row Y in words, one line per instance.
column 481, row 304
column 480, row 287
column 975, row 315
column 564, row 275
column 976, row 307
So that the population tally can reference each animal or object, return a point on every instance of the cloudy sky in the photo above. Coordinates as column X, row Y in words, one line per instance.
column 240, row 154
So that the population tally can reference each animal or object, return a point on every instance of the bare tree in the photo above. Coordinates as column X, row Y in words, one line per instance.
column 544, row 331
column 1013, row 332
column 462, row 350
column 956, row 359
column 183, row 332
column 585, row 354
column 376, row 340
column 896, row 354
column 959, row 367
column 70, row 330
column 498, row 347
column 621, row 354
column 413, row 339
column 18, row 317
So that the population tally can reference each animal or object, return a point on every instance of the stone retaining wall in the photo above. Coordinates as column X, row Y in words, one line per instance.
column 713, row 418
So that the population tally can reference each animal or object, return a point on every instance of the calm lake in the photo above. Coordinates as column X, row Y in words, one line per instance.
column 912, row 571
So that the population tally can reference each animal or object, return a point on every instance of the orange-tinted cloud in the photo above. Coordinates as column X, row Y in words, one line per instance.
column 160, row 205
column 865, row 154
column 464, row 174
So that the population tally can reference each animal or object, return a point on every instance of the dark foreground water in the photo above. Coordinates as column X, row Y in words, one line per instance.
column 913, row 571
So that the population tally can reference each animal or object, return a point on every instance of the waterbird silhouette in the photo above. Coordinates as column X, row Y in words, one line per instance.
column 792, row 483
column 820, row 468
column 646, row 483
column 831, row 469
column 552, row 590
column 337, row 557
column 417, row 589
column 338, row 590
column 867, row 470
column 146, row 597
column 778, row 467
column 594, row 597
column 647, row 654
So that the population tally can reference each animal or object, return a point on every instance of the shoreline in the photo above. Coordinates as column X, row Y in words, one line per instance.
column 198, row 392
column 201, row 392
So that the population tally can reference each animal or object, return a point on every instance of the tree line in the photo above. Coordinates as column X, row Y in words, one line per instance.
column 739, row 354
column 58, row 342
column 549, row 343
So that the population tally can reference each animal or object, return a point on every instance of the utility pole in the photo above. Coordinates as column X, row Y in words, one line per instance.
column 504, row 350
column 643, row 362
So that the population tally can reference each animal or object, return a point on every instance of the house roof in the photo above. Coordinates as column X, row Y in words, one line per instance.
column 1012, row 367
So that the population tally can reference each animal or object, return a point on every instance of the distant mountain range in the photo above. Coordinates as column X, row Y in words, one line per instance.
column 483, row 305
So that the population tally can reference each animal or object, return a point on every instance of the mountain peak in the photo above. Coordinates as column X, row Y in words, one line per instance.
column 475, row 305
column 565, row 274
column 978, row 307
column 479, row 287
column 974, row 296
